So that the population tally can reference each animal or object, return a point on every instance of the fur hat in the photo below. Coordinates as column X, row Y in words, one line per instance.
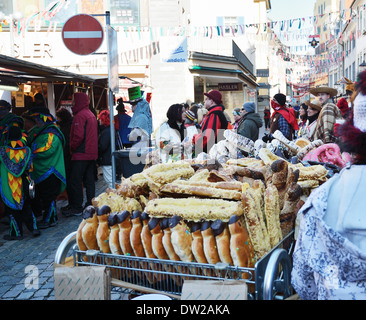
column 324, row 89
column 342, row 104
column 280, row 98
column 214, row 95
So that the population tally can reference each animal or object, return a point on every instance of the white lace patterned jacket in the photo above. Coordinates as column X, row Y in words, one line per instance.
column 329, row 261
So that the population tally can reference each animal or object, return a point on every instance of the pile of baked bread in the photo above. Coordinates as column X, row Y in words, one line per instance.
column 200, row 212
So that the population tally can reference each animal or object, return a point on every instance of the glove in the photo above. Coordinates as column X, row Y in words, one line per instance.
column 267, row 138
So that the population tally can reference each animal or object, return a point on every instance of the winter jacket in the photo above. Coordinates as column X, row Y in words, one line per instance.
column 329, row 260
column 249, row 126
column 104, row 146
column 84, row 130
column 214, row 121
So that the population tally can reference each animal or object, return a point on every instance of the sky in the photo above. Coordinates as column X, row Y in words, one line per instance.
column 290, row 9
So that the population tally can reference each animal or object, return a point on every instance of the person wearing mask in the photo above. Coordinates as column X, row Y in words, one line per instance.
column 303, row 118
column 64, row 121
column 329, row 260
column 171, row 134
column 283, row 118
column 237, row 117
column 8, row 119
column 84, row 153
column 328, row 115
column 104, row 147
column 14, row 185
column 47, row 144
column 121, row 122
column 213, row 125
column 140, row 124
column 250, row 122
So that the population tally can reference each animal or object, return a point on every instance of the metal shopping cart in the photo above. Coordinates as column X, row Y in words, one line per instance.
column 268, row 280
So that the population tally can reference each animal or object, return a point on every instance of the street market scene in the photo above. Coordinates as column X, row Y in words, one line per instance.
column 182, row 150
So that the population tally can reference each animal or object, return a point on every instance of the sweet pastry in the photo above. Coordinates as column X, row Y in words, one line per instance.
column 222, row 237
column 253, row 223
column 146, row 236
column 241, row 248
column 181, row 238
column 114, row 234
column 272, row 213
column 125, row 227
column 135, row 235
column 194, row 209
column 221, row 190
column 103, row 230
column 79, row 237
column 89, row 231
column 197, row 243
column 167, row 241
column 209, row 243
column 157, row 238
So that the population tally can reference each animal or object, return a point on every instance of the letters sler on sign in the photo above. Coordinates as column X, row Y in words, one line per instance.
column 230, row 87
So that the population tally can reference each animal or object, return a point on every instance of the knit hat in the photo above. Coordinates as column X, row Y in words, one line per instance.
column 214, row 95
column 249, row 107
column 190, row 115
column 280, row 98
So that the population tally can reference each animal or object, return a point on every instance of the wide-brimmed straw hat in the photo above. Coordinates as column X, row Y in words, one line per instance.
column 324, row 89
column 316, row 104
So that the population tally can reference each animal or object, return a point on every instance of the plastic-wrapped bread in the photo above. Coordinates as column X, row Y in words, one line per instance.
column 222, row 237
column 135, row 235
column 89, row 231
column 209, row 243
column 103, row 228
column 114, row 234
column 241, row 248
column 253, row 224
column 272, row 212
column 181, row 238
column 125, row 227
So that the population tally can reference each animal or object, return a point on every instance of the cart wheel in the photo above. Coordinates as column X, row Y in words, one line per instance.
column 64, row 248
column 277, row 281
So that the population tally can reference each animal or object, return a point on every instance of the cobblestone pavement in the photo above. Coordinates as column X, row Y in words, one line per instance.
column 22, row 259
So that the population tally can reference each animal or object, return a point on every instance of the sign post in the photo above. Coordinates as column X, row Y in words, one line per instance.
column 113, row 85
column 82, row 34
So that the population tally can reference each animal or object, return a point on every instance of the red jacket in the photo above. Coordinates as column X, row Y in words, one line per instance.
column 84, row 130
column 214, row 120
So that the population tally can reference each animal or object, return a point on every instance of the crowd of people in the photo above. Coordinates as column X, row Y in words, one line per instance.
column 43, row 157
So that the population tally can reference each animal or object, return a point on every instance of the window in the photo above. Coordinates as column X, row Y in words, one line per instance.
column 353, row 71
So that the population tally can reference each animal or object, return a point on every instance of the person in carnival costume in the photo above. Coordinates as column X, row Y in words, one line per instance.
column 46, row 142
column 8, row 119
column 15, row 163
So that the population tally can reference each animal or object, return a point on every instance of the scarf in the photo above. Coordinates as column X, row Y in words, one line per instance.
column 288, row 114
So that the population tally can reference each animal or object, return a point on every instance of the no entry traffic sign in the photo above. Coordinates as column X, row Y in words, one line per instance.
column 82, row 34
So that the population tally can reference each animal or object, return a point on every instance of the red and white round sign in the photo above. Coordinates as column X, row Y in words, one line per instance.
column 82, row 34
